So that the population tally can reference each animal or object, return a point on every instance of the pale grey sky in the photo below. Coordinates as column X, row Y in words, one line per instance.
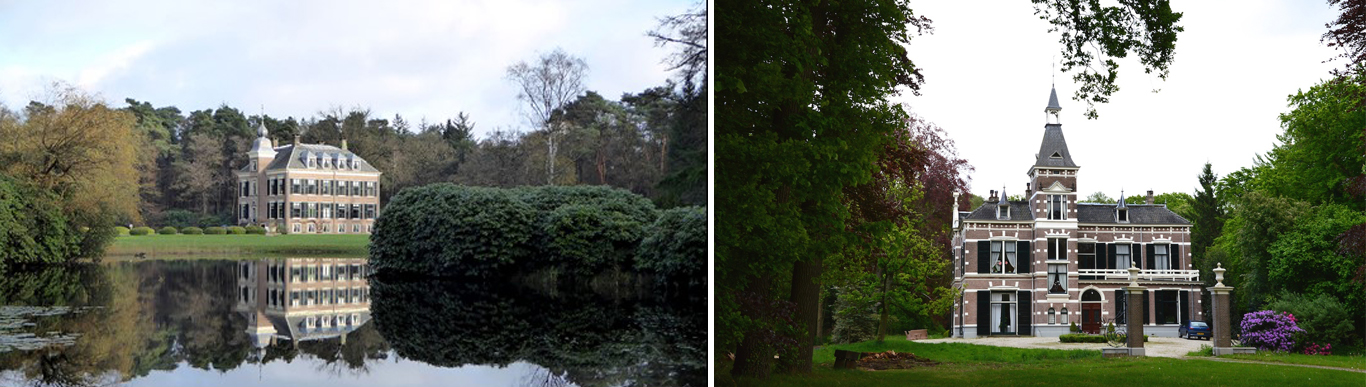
column 988, row 67
column 420, row 59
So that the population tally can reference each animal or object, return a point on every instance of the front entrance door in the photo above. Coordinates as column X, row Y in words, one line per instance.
column 1090, row 311
column 1090, row 318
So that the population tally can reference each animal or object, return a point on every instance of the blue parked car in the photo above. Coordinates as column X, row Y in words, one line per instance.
column 1195, row 330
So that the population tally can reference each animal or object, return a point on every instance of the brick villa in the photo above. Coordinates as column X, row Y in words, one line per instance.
column 307, row 188
column 1033, row 267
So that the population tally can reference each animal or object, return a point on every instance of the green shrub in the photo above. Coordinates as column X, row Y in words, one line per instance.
column 120, row 230
column 446, row 230
column 545, row 200
column 1085, row 338
column 1323, row 319
column 33, row 227
column 257, row 230
column 675, row 246
column 236, row 230
column 1074, row 328
column 946, row 333
column 140, row 231
column 192, row 231
column 584, row 239
column 215, row 230
column 168, row 230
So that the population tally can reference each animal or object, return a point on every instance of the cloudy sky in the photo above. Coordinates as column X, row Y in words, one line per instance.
column 988, row 67
column 419, row 59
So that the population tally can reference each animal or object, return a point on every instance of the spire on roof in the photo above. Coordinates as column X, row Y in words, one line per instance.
column 1121, row 200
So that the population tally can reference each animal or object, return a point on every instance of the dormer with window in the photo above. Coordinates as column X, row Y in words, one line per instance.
column 1122, row 210
column 1003, row 210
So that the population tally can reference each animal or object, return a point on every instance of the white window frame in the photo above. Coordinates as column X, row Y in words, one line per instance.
column 1128, row 254
column 1161, row 257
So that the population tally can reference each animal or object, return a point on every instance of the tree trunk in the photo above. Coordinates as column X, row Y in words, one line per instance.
column 806, row 295
column 882, row 322
column 754, row 358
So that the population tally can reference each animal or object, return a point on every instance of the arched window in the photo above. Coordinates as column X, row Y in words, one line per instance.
column 1052, row 316
column 1064, row 315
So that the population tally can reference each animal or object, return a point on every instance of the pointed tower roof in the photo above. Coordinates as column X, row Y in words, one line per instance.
column 1053, row 100
column 1053, row 151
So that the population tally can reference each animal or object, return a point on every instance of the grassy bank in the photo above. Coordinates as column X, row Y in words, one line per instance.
column 977, row 365
column 1342, row 361
column 163, row 246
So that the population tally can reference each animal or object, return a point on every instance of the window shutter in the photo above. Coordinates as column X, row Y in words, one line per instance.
column 1174, row 254
column 1025, row 308
column 1147, row 318
column 983, row 257
column 1024, row 257
column 1120, row 308
column 1052, row 250
column 1112, row 256
column 983, row 313
column 1152, row 259
column 1101, row 258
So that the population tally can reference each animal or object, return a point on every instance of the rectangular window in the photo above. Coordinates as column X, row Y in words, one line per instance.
column 355, row 188
column 1003, row 253
column 1003, row 313
column 1057, row 279
column 1057, row 207
column 1057, row 248
column 1166, row 308
column 1122, row 259
column 369, row 211
column 1160, row 258
column 294, row 211
column 326, row 187
column 294, row 186
column 1086, row 257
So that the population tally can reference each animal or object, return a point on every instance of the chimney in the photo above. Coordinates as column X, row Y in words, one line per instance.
column 1028, row 191
column 296, row 140
column 1150, row 197
column 343, row 144
column 992, row 198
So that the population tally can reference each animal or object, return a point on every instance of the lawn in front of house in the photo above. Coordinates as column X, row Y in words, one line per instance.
column 980, row 365
column 179, row 246
column 1357, row 361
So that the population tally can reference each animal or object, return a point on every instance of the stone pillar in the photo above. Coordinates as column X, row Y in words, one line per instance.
column 1219, row 294
column 1134, row 311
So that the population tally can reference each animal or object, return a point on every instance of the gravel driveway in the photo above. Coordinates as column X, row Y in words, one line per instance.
column 1156, row 346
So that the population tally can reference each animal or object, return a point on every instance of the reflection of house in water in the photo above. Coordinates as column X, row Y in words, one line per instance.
column 300, row 299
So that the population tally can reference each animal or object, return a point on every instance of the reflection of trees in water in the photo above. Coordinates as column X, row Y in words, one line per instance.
column 590, row 340
column 153, row 315
column 544, row 377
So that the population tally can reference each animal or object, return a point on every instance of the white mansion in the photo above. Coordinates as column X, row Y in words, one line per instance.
column 306, row 188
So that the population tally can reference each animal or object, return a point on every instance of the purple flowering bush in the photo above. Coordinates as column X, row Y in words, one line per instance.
column 1269, row 330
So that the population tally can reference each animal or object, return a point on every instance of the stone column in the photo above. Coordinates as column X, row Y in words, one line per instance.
column 1219, row 294
column 1134, row 311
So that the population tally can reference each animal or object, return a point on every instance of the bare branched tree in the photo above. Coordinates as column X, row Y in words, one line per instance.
column 555, row 80
column 688, row 30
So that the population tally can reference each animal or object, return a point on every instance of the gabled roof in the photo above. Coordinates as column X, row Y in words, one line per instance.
column 1138, row 214
column 1054, row 144
column 1019, row 211
column 287, row 157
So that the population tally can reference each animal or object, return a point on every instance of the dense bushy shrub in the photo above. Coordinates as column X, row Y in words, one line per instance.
column 855, row 319
column 444, row 229
column 545, row 200
column 256, row 230
column 120, row 230
column 168, row 230
column 215, row 230
column 584, row 239
column 140, row 231
column 192, row 231
column 33, row 228
column 1323, row 319
column 675, row 246
column 1269, row 330
column 236, row 230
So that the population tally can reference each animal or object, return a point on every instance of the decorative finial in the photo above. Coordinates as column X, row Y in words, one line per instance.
column 1219, row 275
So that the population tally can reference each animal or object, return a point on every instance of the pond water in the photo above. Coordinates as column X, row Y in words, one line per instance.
column 325, row 322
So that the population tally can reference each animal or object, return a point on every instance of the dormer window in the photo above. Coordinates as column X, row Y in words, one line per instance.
column 1055, row 155
column 1122, row 215
column 1003, row 212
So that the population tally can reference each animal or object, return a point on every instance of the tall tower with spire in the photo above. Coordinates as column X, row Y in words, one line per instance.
column 1053, row 171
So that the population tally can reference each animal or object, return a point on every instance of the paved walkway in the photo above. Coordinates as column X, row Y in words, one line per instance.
column 1156, row 346
column 1279, row 364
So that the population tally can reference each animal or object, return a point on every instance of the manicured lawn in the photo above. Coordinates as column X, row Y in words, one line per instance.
column 977, row 365
column 160, row 246
column 1355, row 362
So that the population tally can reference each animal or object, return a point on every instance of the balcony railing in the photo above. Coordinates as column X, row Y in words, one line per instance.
column 1146, row 275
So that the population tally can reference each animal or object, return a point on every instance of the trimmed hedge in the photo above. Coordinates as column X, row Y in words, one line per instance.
column 168, row 230
column 675, row 246
column 192, row 231
column 1085, row 338
column 121, row 231
column 140, row 231
column 236, row 230
column 215, row 230
column 444, row 230
column 258, row 230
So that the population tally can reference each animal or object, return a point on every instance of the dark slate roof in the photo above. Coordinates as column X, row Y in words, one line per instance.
column 1053, row 142
column 286, row 157
column 1138, row 214
column 1019, row 211
column 1053, row 100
